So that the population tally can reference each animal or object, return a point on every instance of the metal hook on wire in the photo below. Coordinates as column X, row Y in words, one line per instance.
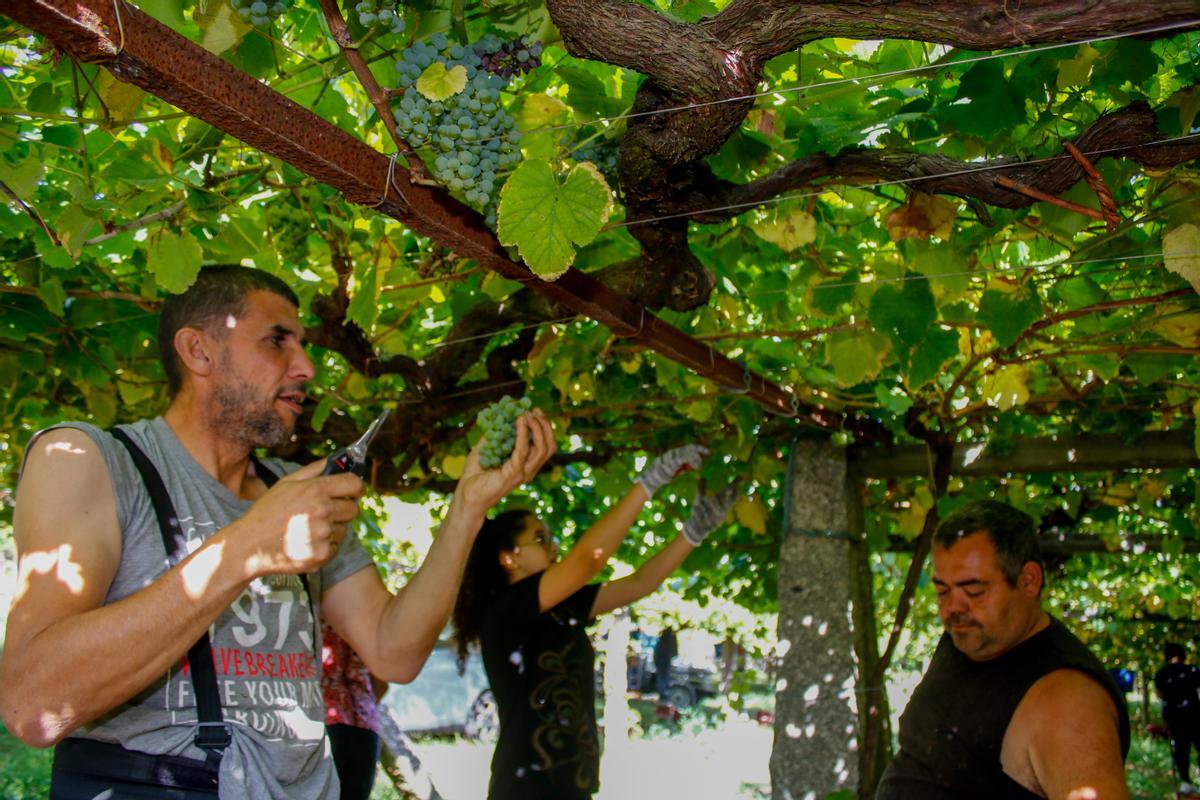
column 120, row 27
column 391, row 171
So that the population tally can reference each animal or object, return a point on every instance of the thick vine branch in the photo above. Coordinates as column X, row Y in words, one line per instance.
column 1127, row 133
column 767, row 28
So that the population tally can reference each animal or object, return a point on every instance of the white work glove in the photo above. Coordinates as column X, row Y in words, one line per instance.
column 669, row 464
column 708, row 512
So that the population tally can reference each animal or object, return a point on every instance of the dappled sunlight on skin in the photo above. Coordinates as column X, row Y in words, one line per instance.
column 199, row 572
column 297, row 542
column 231, row 322
column 1083, row 793
column 54, row 448
column 45, row 562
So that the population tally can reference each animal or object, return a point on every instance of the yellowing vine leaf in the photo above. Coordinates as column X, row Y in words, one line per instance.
column 1180, row 327
column 540, row 110
column 1075, row 71
column 437, row 83
column 121, row 99
column 751, row 513
column 222, row 27
column 922, row 216
column 1007, row 387
column 453, row 466
column 788, row 232
column 1181, row 252
column 856, row 356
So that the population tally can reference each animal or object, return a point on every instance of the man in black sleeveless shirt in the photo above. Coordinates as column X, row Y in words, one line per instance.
column 1012, row 704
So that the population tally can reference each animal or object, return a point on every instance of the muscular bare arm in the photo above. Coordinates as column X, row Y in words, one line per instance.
column 1065, row 736
column 394, row 634
column 68, row 658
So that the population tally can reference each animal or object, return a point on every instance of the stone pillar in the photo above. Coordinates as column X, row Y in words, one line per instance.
column 816, row 718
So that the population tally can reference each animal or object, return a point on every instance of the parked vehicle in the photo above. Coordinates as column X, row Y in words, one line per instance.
column 440, row 701
column 692, row 678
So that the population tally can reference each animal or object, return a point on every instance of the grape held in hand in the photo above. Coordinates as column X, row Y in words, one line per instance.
column 499, row 424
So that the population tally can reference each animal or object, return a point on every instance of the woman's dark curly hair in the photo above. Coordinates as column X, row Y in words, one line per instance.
column 484, row 577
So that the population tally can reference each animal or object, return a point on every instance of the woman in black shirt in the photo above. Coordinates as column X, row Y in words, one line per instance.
column 527, row 610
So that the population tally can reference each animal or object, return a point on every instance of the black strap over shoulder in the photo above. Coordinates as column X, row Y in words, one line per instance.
column 213, row 734
column 268, row 476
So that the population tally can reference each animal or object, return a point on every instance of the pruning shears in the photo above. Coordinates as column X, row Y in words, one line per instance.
column 354, row 457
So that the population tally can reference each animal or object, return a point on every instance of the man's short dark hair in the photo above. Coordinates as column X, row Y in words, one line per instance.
column 1174, row 650
column 219, row 292
column 1013, row 533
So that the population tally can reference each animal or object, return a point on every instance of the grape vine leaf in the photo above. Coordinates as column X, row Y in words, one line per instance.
column 1006, row 388
column 1008, row 313
column 453, row 466
column 1181, row 253
column 52, row 294
column 364, row 304
column 1075, row 71
column 788, row 232
column 990, row 104
column 545, row 219
column 856, row 355
column 437, row 83
column 74, row 225
column 175, row 260
column 904, row 312
column 922, row 216
column 222, row 27
column 938, row 347
column 752, row 514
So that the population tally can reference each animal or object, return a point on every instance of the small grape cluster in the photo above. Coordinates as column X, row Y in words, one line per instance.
column 260, row 12
column 602, row 152
column 385, row 16
column 499, row 424
column 508, row 59
column 289, row 227
column 471, row 133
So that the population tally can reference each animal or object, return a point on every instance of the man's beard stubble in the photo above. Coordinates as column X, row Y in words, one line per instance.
column 241, row 417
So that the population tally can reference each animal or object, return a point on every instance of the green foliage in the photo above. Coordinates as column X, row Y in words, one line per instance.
column 24, row 771
column 545, row 219
column 982, row 322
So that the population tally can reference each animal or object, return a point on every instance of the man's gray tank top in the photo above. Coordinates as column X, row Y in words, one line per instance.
column 266, row 645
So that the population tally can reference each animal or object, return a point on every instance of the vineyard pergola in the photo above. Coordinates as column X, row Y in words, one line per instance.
column 813, row 235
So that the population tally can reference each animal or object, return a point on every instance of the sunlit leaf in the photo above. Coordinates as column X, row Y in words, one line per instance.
column 1181, row 252
column 545, row 218
column 437, row 83
column 175, row 260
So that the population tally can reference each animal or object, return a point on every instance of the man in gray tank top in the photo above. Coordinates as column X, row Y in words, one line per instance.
column 102, row 621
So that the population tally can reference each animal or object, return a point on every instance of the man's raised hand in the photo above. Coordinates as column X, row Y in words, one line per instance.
column 298, row 525
column 482, row 488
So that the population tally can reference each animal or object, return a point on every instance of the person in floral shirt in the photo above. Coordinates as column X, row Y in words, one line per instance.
column 351, row 715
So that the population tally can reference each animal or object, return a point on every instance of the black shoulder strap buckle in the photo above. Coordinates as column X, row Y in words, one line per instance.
column 213, row 736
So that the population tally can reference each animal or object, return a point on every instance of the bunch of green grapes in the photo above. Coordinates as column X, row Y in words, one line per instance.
column 289, row 228
column 471, row 134
column 260, row 12
column 499, row 424
column 385, row 16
